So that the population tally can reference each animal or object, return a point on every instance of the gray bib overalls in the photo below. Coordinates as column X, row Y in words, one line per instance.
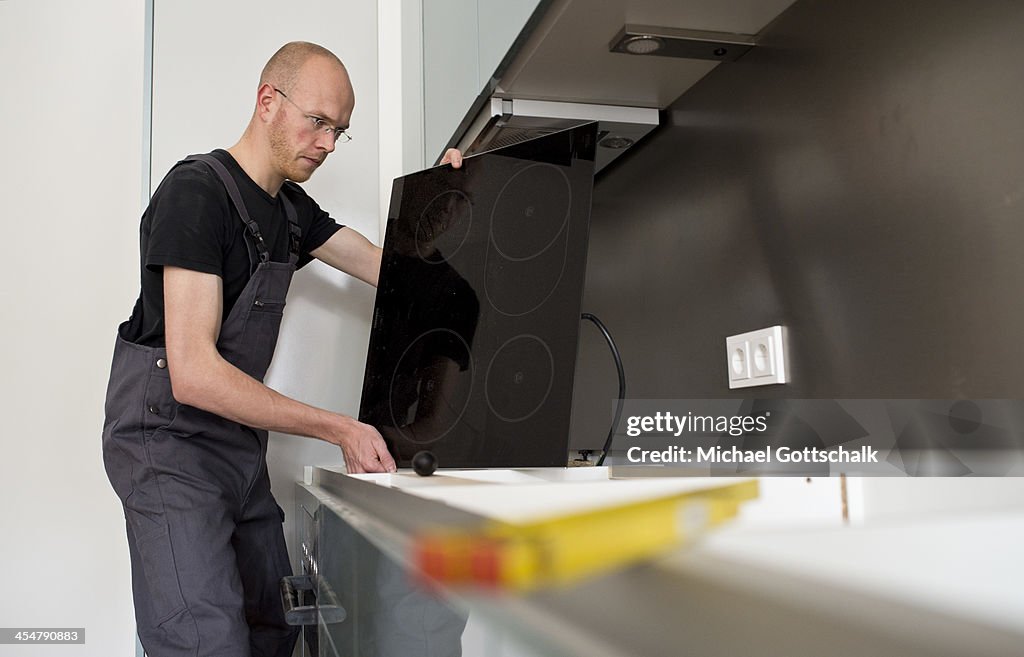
column 204, row 532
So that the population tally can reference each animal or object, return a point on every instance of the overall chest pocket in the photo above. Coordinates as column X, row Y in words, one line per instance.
column 267, row 306
column 262, row 325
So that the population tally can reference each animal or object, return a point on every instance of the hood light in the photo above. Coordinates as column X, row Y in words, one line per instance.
column 642, row 44
column 684, row 44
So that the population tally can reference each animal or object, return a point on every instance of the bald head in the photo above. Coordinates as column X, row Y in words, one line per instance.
column 283, row 69
column 304, row 101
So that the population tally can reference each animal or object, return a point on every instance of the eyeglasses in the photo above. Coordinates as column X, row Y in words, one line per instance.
column 318, row 124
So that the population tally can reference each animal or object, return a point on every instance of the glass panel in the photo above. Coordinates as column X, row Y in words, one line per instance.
column 473, row 342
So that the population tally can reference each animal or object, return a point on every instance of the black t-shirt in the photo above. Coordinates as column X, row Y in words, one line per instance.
column 191, row 223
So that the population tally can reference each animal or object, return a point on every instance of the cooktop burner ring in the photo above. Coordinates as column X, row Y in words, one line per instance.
column 518, row 231
column 491, row 403
column 471, row 369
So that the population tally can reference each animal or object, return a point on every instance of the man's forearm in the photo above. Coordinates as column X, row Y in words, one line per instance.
column 224, row 390
column 350, row 252
column 227, row 391
column 202, row 378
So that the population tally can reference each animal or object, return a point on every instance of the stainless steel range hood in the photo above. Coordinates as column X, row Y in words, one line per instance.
column 511, row 121
column 617, row 61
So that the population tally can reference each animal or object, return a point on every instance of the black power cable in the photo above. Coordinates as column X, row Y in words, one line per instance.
column 622, row 383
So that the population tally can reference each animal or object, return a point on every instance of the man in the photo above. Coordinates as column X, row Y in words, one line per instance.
column 187, row 414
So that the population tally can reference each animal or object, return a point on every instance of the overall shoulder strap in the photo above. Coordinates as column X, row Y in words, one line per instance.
column 294, row 230
column 236, row 199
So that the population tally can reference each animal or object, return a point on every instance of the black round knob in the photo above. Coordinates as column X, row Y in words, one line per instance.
column 424, row 463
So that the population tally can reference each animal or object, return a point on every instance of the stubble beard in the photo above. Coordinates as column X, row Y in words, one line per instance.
column 282, row 152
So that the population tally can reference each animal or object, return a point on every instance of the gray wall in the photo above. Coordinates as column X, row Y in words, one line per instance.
column 858, row 178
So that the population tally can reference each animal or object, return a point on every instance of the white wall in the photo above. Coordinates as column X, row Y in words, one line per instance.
column 399, row 102
column 71, row 128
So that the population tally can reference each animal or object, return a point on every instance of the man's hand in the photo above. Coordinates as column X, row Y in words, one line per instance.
column 452, row 156
column 363, row 447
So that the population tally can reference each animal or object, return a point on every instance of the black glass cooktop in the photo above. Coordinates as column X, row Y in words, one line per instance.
column 474, row 335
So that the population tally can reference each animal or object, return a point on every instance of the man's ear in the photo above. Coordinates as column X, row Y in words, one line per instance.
column 265, row 102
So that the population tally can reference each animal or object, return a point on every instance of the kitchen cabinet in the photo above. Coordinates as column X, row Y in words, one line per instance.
column 463, row 43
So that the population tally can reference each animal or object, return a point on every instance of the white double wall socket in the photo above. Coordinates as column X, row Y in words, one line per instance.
column 756, row 358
